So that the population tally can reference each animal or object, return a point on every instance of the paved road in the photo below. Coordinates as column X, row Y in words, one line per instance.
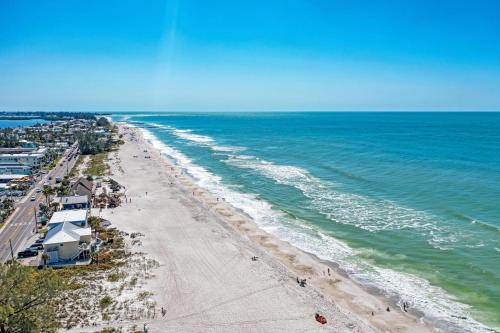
column 21, row 225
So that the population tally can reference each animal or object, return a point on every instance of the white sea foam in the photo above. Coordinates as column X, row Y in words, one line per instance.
column 187, row 135
column 202, row 140
column 347, row 208
column 436, row 305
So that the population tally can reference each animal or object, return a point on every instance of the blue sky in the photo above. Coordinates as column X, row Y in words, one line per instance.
column 249, row 55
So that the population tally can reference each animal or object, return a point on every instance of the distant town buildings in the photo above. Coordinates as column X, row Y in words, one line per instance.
column 26, row 150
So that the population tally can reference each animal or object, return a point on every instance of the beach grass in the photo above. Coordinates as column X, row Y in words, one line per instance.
column 97, row 166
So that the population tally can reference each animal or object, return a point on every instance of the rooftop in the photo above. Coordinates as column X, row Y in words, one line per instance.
column 23, row 155
column 76, row 199
column 4, row 177
column 65, row 232
column 75, row 215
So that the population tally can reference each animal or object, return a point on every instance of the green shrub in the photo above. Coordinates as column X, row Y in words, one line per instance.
column 105, row 301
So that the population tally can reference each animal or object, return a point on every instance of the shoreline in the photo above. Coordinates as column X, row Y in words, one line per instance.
column 337, row 288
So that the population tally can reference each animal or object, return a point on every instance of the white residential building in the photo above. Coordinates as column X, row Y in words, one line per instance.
column 31, row 160
column 69, row 236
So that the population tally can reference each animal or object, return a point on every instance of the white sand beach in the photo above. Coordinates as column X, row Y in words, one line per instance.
column 207, row 281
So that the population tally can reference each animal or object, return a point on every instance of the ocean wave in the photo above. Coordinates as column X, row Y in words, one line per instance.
column 202, row 140
column 437, row 306
column 188, row 135
column 348, row 208
column 340, row 207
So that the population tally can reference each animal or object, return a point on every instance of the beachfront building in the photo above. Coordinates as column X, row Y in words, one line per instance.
column 83, row 187
column 15, row 179
column 77, row 217
column 14, row 168
column 15, row 184
column 69, row 237
column 32, row 160
column 74, row 202
column 18, row 150
column 21, row 160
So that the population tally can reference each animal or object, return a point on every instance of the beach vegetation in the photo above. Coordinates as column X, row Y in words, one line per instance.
column 103, row 122
column 108, row 330
column 116, row 276
column 133, row 281
column 144, row 295
column 90, row 143
column 95, row 223
column 97, row 166
column 105, row 302
column 6, row 208
column 27, row 299
column 53, row 159
column 65, row 187
column 47, row 192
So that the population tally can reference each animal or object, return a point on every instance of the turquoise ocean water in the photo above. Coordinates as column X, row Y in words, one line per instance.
column 407, row 203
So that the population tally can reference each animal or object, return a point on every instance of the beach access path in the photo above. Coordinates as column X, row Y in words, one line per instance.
column 207, row 281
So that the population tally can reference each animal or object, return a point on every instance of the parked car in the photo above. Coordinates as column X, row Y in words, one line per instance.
column 38, row 190
column 33, row 198
column 58, row 179
column 36, row 247
column 27, row 253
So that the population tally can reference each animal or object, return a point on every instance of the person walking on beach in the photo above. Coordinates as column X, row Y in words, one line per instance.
column 405, row 306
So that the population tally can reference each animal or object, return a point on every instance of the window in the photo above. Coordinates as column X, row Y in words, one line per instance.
column 61, row 244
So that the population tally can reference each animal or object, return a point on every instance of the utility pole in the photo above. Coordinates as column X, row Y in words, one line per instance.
column 36, row 221
column 11, row 251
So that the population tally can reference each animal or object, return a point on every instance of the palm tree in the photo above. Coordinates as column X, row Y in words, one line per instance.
column 47, row 192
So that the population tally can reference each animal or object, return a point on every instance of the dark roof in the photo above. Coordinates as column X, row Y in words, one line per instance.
column 83, row 187
column 85, row 183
